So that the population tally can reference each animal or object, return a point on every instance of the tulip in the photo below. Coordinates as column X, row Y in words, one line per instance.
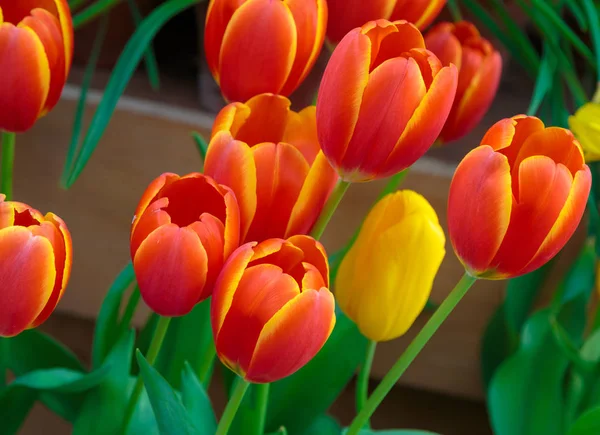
column 345, row 15
column 271, row 158
column 586, row 127
column 386, row 277
column 36, row 49
column 383, row 100
column 517, row 198
column 183, row 231
column 419, row 12
column 479, row 69
column 257, row 46
column 36, row 253
column 271, row 309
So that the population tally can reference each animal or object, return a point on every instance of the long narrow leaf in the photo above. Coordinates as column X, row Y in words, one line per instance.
column 592, row 14
column 149, row 57
column 543, row 83
column 93, row 11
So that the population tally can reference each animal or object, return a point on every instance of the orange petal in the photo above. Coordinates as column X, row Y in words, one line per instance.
column 25, row 78
column 420, row 12
column 217, row 18
column 314, row 253
column 301, row 131
column 232, row 223
column 171, row 267
column 388, row 45
column 282, row 254
column 293, row 336
column 211, row 231
column 345, row 15
column 441, row 42
column 257, row 58
column 266, row 121
column 66, row 23
column 509, row 134
column 149, row 196
column 153, row 217
column 479, row 207
column 230, row 118
column 28, row 275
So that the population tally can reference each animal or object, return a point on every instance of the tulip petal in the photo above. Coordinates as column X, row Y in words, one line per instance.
column 345, row 15
column 395, row 44
column 314, row 253
column 217, row 17
column 266, row 121
column 301, row 131
column 282, row 254
column 444, row 44
column 170, row 267
column 509, row 134
column 230, row 118
column 25, row 78
column 211, row 231
column 149, row 196
column 66, row 24
column 232, row 223
column 420, row 12
column 481, row 190
column 259, row 47
column 293, row 336
column 28, row 275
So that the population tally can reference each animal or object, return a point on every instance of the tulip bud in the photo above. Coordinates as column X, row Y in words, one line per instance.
column 383, row 101
column 586, row 127
column 271, row 308
column 386, row 277
column 257, row 46
column 479, row 70
column 345, row 15
column 517, row 198
column 36, row 50
column 183, row 231
column 35, row 266
column 419, row 12
column 271, row 158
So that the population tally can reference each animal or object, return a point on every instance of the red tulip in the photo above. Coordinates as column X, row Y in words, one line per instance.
column 36, row 253
column 36, row 50
column 419, row 12
column 345, row 15
column 517, row 198
column 256, row 46
column 383, row 100
column 183, row 231
column 271, row 308
column 479, row 70
column 271, row 158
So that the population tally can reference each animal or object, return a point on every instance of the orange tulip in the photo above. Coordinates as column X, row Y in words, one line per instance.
column 271, row 309
column 345, row 15
column 36, row 49
column 419, row 12
column 256, row 46
column 183, row 231
column 479, row 69
column 271, row 158
column 517, row 198
column 36, row 257
column 383, row 100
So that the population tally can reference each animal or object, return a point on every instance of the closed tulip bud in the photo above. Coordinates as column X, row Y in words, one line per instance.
column 479, row 70
column 271, row 158
column 36, row 49
column 383, row 100
column 35, row 266
column 183, row 231
column 586, row 127
column 419, row 12
column 386, row 277
column 271, row 308
column 517, row 198
column 257, row 46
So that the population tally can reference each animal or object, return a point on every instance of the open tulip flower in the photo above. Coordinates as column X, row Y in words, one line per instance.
column 257, row 46
column 383, row 100
column 183, row 230
column 271, row 308
column 385, row 279
column 35, row 265
column 479, row 70
column 517, row 198
column 271, row 158
column 36, row 49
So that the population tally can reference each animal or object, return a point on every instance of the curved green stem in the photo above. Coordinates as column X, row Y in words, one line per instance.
column 411, row 353
column 157, row 339
column 393, row 184
column 362, row 382
column 330, row 206
column 232, row 406
column 262, row 397
column 8, row 160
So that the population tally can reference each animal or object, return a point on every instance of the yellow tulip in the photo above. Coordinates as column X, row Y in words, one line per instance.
column 385, row 279
column 585, row 124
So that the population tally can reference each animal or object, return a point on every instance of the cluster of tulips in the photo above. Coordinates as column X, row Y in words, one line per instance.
column 245, row 231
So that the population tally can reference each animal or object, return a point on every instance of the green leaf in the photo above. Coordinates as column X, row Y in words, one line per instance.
column 592, row 13
column 587, row 424
column 15, row 404
column 543, row 82
column 93, row 11
column 324, row 425
column 581, row 277
column 315, row 387
column 149, row 57
column 498, row 343
column 121, row 75
column 394, row 432
column 108, row 329
column 61, row 380
column 196, row 402
column 171, row 415
column 201, row 144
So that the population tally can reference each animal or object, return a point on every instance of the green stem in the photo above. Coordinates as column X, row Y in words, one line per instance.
column 362, row 382
column 205, row 369
column 262, row 398
column 157, row 339
column 93, row 11
column 454, row 11
column 3, row 361
column 393, row 184
column 411, row 353
column 332, row 203
column 232, row 406
column 8, row 160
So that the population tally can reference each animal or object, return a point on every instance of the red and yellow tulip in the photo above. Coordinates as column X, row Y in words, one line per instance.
column 270, row 157
column 271, row 308
column 36, row 50
column 383, row 100
column 479, row 70
column 35, row 266
column 183, row 231
column 517, row 198
column 257, row 46
column 419, row 12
